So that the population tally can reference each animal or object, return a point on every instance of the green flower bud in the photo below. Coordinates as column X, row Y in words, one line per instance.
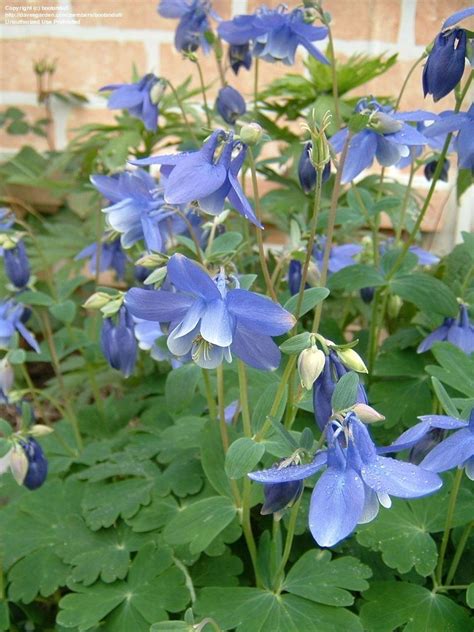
column 367, row 414
column 352, row 360
column 156, row 93
column 18, row 464
column 97, row 300
column 385, row 124
column 152, row 260
column 40, row 430
column 251, row 133
column 310, row 365
column 394, row 306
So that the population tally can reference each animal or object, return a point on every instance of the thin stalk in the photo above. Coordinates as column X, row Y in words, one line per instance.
column 312, row 235
column 288, row 543
column 221, row 408
column 258, row 213
column 32, row 390
column 449, row 521
column 407, row 79
column 98, row 239
column 185, row 118
column 335, row 94
column 278, row 398
column 459, row 551
column 211, row 402
column 203, row 92
column 377, row 317
column 406, row 199
column 244, row 398
column 190, row 228
column 255, row 85
column 247, row 528
column 330, row 230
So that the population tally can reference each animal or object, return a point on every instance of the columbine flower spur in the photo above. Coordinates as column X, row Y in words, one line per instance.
column 211, row 320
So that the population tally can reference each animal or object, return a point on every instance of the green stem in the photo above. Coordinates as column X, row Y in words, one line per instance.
column 247, row 528
column 407, row 78
column 255, row 85
column 203, row 92
column 244, row 398
column 459, row 551
column 32, row 390
column 406, row 199
column 211, row 402
column 221, row 408
column 335, row 94
column 288, row 544
column 449, row 520
column 312, row 235
column 330, row 229
column 258, row 213
column 278, row 398
column 185, row 118
column 98, row 238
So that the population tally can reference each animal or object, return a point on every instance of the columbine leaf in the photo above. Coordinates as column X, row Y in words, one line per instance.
column 318, row 578
column 42, row 572
column 242, row 457
column 256, row 610
column 427, row 293
column 355, row 277
column 392, row 605
column 311, row 298
column 104, row 502
column 199, row 523
column 345, row 393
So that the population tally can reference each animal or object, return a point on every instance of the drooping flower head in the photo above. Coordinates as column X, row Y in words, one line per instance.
column 355, row 482
column 430, row 168
column 193, row 24
column 464, row 141
column 12, row 318
column 208, row 176
column 118, row 342
column 240, row 57
column 445, row 64
column 37, row 464
column 211, row 319
column 274, row 34
column 307, row 173
column 387, row 137
column 112, row 257
column 17, row 265
column 230, row 104
column 139, row 210
column 140, row 99
column 458, row 331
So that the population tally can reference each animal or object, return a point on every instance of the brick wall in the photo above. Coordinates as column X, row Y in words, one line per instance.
column 101, row 50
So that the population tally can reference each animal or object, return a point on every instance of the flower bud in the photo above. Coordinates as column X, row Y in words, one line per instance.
column 37, row 464
column 251, row 133
column 430, row 168
column 367, row 414
column 40, row 430
column 240, row 55
column 97, row 300
column 230, row 104
column 310, row 365
column 157, row 91
column 17, row 265
column 352, row 360
column 118, row 343
column 367, row 294
column 152, row 260
column 385, row 124
column 307, row 173
column 6, row 376
column 394, row 306
column 18, row 464
column 320, row 153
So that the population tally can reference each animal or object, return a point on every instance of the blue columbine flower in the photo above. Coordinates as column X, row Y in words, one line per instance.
column 112, row 257
column 430, row 168
column 274, row 33
column 204, row 177
column 324, row 386
column 139, row 210
column 37, row 464
column 240, row 56
column 230, row 104
column 294, row 276
column 17, row 265
column 464, row 143
column 118, row 343
column 140, row 99
column 193, row 24
column 458, row 332
column 339, row 257
column 387, row 137
column 445, row 64
column 279, row 496
column 355, row 482
column 307, row 174
column 12, row 317
column 210, row 320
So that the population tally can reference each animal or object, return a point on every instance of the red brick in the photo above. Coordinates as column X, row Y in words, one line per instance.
column 430, row 15
column 81, row 66
column 84, row 116
column 13, row 141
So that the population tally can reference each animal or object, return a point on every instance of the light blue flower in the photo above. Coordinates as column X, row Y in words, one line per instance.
column 12, row 318
column 210, row 320
column 458, row 332
column 464, row 142
column 140, row 99
column 193, row 24
column 339, row 256
column 112, row 257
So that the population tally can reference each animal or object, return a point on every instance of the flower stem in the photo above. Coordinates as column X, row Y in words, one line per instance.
column 203, row 92
column 335, row 94
column 221, row 408
column 449, row 520
column 312, row 235
column 185, row 118
column 255, row 85
column 244, row 398
column 211, row 402
column 459, row 551
column 288, row 543
column 407, row 79
column 258, row 212
column 278, row 398
column 247, row 528
column 330, row 230
column 406, row 199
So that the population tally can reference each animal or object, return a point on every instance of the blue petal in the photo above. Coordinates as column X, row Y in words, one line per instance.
column 191, row 319
column 125, row 97
column 360, row 155
column 193, row 180
column 396, row 478
column 108, row 186
column 415, row 116
column 173, row 8
column 239, row 201
column 387, row 153
column 438, row 335
column 28, row 336
column 451, row 452
column 217, row 324
column 256, row 350
column 179, row 344
column 160, row 306
column 258, row 313
column 448, row 123
column 443, row 421
column 408, row 135
column 187, row 276
column 462, row 14
column 290, row 473
column 337, row 503
column 371, row 506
